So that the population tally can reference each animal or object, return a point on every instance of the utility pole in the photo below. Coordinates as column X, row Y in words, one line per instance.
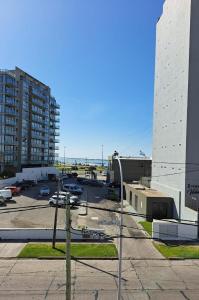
column 56, row 213
column 68, row 245
column 102, row 155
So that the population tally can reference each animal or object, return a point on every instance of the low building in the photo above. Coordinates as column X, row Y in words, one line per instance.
column 148, row 202
column 133, row 168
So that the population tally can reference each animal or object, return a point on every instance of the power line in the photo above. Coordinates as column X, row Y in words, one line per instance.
column 174, row 163
column 138, row 215
column 20, row 210
column 29, row 208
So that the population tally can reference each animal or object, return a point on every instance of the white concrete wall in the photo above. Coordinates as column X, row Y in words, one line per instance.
column 167, row 231
column 30, row 174
column 39, row 234
column 171, row 103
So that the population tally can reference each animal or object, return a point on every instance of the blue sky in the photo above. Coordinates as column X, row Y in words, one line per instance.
column 98, row 58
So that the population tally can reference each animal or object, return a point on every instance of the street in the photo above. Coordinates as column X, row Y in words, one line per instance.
column 142, row 279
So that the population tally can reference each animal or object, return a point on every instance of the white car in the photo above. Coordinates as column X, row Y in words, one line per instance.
column 6, row 194
column 61, row 193
column 44, row 190
column 61, row 200
column 72, row 188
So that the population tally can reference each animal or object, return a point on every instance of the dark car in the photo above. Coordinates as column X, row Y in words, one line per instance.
column 25, row 184
column 94, row 182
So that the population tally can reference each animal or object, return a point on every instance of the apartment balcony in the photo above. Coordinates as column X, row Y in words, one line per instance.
column 54, row 133
column 10, row 142
column 11, row 102
column 10, row 112
column 10, row 132
column 40, row 103
column 55, row 112
column 9, row 122
column 10, row 92
column 54, row 126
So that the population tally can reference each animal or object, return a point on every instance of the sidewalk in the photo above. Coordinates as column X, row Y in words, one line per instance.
column 10, row 250
column 137, row 245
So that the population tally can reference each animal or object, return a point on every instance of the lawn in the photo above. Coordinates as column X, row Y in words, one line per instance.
column 147, row 226
column 34, row 250
column 181, row 251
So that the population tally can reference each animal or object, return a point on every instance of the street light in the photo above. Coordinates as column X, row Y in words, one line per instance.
column 116, row 156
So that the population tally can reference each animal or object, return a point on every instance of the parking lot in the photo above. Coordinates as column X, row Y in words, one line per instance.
column 44, row 217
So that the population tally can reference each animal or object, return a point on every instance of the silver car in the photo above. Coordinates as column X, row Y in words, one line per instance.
column 44, row 190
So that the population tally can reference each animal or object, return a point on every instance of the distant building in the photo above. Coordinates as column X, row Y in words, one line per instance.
column 175, row 168
column 29, row 117
column 133, row 168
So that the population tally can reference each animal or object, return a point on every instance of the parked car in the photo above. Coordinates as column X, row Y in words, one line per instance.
column 25, row 184
column 73, row 189
column 80, row 179
column 44, row 190
column 61, row 193
column 14, row 189
column 2, row 201
column 94, row 182
column 6, row 194
column 61, row 200
column 104, row 173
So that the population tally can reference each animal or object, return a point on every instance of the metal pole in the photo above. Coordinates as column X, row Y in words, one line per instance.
column 68, row 255
column 121, row 231
column 64, row 159
column 102, row 155
column 56, row 213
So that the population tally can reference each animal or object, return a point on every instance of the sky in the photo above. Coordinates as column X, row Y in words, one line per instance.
column 98, row 57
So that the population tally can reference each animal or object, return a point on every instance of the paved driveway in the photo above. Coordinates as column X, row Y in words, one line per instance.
column 141, row 279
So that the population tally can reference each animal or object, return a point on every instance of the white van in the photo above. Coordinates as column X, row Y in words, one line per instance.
column 73, row 189
column 6, row 194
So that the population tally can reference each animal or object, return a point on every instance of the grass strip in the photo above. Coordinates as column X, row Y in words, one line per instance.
column 35, row 250
column 147, row 226
column 181, row 251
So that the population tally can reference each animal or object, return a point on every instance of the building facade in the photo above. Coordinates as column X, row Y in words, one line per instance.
column 133, row 168
column 176, row 107
column 29, row 118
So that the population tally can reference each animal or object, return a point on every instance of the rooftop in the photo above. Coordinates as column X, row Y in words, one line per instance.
column 148, row 192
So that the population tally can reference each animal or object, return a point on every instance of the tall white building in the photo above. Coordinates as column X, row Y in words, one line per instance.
column 175, row 168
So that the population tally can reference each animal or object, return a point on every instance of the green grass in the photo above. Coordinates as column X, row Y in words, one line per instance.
column 181, row 251
column 34, row 250
column 147, row 226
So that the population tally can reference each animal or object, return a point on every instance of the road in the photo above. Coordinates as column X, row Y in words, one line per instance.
column 141, row 279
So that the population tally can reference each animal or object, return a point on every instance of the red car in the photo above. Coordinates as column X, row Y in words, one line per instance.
column 14, row 189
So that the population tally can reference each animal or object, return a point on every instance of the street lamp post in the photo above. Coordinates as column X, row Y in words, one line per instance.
column 116, row 156
column 64, row 159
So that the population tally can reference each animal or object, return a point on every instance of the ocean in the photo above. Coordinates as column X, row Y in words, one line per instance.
column 89, row 161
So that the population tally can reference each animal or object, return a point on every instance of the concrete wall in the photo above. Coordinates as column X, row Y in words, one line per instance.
column 174, row 231
column 39, row 234
column 171, row 104
column 142, row 200
column 133, row 169
column 30, row 174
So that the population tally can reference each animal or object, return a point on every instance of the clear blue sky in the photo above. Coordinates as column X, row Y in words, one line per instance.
column 98, row 58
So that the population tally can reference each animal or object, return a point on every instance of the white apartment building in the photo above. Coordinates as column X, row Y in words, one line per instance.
column 175, row 167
